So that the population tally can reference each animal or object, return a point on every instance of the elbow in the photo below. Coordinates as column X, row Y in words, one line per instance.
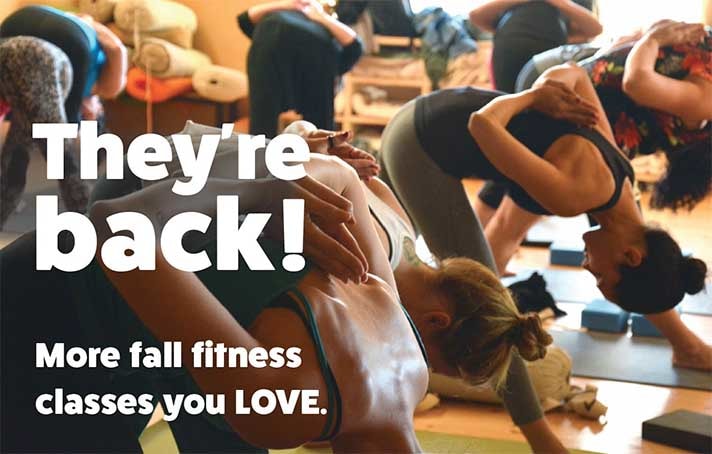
column 477, row 124
column 631, row 85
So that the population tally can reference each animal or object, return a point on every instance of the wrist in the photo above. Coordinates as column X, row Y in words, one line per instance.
column 649, row 39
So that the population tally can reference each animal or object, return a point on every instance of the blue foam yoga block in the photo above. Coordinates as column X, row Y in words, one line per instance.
column 641, row 326
column 566, row 253
column 602, row 315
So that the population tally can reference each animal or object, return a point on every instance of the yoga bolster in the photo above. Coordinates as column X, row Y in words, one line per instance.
column 566, row 253
column 168, row 60
column 152, row 15
column 181, row 37
column 161, row 89
column 601, row 315
column 220, row 84
column 681, row 429
column 101, row 10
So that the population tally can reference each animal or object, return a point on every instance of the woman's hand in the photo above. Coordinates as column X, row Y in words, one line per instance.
column 336, row 144
column 557, row 100
column 671, row 33
column 327, row 241
column 314, row 11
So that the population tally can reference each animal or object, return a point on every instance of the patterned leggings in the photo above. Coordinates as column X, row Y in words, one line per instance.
column 35, row 80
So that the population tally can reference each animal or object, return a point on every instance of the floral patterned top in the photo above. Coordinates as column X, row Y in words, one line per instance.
column 639, row 129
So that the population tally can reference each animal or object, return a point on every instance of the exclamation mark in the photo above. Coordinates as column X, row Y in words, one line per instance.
column 293, row 235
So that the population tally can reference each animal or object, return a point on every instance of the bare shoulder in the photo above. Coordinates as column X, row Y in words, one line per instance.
column 581, row 161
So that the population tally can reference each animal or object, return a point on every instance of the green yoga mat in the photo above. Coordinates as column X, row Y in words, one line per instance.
column 158, row 439
column 630, row 359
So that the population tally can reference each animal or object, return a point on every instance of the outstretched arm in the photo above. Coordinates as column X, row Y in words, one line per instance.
column 651, row 89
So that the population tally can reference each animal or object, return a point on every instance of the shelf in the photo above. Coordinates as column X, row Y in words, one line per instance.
column 389, row 81
column 363, row 120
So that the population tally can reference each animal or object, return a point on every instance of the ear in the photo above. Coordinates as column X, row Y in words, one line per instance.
column 437, row 320
column 632, row 257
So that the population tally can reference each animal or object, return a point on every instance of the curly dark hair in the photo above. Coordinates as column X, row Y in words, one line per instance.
column 688, row 178
column 662, row 278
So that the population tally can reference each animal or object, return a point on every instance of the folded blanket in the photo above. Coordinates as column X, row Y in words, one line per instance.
column 550, row 377
column 161, row 89
column 179, row 36
column 101, row 10
column 168, row 60
column 150, row 15
column 221, row 84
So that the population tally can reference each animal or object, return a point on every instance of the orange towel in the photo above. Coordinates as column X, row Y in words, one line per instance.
column 161, row 89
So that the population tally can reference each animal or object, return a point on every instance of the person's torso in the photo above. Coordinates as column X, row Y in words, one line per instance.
column 392, row 230
column 373, row 348
column 533, row 21
column 639, row 129
column 442, row 118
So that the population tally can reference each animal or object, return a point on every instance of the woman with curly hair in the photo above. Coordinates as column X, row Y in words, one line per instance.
column 653, row 88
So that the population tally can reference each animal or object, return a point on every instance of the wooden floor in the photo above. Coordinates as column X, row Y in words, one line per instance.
column 628, row 403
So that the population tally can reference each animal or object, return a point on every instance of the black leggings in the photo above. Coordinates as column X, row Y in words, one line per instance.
column 70, row 37
column 38, row 306
column 524, row 31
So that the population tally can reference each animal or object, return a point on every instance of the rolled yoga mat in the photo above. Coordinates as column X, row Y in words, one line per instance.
column 630, row 359
column 158, row 439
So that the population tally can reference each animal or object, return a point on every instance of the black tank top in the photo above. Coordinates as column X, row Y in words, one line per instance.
column 522, row 32
column 441, row 120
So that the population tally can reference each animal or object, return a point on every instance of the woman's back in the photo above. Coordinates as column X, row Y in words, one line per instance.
column 371, row 348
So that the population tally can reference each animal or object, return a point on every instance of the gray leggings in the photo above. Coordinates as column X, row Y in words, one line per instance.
column 439, row 207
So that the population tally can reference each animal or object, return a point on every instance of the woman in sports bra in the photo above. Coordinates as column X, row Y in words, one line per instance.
column 552, row 166
column 338, row 318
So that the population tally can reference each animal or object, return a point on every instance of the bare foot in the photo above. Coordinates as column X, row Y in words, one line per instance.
column 700, row 358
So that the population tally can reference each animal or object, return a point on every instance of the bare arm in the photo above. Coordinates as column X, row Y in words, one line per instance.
column 557, row 191
column 538, row 177
column 341, row 32
column 487, row 15
column 258, row 12
column 576, row 79
column 112, row 79
column 583, row 25
column 651, row 89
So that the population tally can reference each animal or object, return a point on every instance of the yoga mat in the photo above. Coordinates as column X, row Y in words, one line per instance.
column 158, row 439
column 568, row 286
column 631, row 359
column 700, row 304
column 579, row 286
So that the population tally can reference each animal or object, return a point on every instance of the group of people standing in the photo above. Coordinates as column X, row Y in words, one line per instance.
column 372, row 319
